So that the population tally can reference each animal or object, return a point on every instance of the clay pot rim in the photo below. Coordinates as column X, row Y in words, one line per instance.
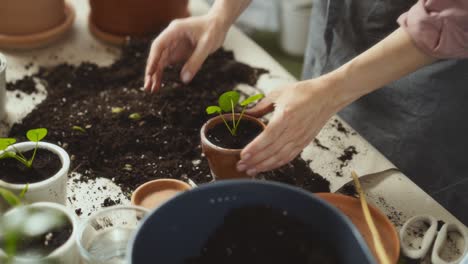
column 184, row 187
column 40, row 38
column 374, row 210
column 106, row 37
column 207, row 142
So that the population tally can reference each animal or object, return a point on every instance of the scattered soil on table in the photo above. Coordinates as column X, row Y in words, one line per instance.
column 220, row 136
column 26, row 85
column 109, row 202
column 395, row 216
column 45, row 165
column 163, row 142
column 319, row 144
column 350, row 190
column 264, row 235
column 340, row 127
column 345, row 158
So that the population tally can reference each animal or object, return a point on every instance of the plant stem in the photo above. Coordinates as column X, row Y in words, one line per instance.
column 19, row 152
column 233, row 119
column 225, row 122
column 238, row 120
column 33, row 156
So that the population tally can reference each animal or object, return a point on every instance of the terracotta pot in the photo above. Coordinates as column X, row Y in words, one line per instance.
column 223, row 161
column 135, row 17
column 23, row 17
column 351, row 207
column 154, row 193
column 30, row 24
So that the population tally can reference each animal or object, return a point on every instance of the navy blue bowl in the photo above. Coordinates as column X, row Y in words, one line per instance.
column 178, row 229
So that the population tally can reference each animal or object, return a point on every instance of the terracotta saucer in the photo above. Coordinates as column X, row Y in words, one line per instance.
column 152, row 194
column 106, row 37
column 351, row 207
column 40, row 39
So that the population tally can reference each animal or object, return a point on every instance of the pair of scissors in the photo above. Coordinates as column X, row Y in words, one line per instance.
column 451, row 240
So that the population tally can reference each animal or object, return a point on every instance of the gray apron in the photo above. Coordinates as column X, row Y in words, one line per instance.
column 419, row 122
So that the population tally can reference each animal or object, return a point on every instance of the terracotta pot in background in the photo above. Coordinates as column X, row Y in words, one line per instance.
column 26, row 24
column 154, row 193
column 351, row 207
column 134, row 17
column 223, row 161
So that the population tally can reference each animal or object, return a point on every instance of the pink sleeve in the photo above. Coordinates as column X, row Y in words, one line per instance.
column 438, row 27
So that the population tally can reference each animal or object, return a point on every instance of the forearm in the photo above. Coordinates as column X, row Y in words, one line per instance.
column 227, row 11
column 387, row 61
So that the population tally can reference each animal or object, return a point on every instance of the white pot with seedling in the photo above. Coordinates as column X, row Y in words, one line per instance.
column 40, row 167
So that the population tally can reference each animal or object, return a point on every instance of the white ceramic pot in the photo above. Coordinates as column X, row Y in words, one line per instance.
column 2, row 92
column 68, row 252
column 294, row 25
column 51, row 190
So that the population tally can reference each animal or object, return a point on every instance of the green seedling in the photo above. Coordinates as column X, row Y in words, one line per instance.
column 79, row 129
column 117, row 110
column 226, row 103
column 135, row 116
column 34, row 135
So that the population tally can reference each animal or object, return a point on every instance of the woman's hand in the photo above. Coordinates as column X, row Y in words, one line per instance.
column 191, row 40
column 300, row 111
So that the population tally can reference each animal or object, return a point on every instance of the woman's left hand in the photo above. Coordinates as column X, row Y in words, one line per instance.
column 301, row 110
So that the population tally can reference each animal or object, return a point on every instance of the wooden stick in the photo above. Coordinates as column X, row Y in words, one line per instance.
column 379, row 247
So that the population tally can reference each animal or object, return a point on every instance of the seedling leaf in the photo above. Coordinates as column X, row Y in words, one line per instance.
column 228, row 100
column 213, row 109
column 135, row 116
column 37, row 134
column 116, row 110
column 78, row 128
column 251, row 99
column 5, row 142
column 10, row 197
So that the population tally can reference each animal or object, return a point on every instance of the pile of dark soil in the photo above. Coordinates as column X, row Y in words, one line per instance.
column 246, row 132
column 264, row 235
column 112, row 129
column 45, row 165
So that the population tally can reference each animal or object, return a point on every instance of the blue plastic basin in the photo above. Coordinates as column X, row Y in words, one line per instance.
column 178, row 229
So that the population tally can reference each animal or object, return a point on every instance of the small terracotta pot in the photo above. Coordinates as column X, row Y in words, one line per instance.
column 31, row 24
column 223, row 161
column 133, row 17
column 351, row 207
column 152, row 194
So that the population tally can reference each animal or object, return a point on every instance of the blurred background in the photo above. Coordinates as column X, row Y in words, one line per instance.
column 281, row 28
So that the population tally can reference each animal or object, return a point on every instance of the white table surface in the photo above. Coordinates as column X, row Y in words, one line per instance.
column 401, row 195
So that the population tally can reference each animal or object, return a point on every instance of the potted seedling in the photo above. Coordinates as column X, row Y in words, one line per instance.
column 112, row 21
column 42, row 166
column 223, row 137
column 31, row 24
column 38, row 233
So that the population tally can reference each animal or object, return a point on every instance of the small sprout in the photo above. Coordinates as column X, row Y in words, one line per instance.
column 10, row 197
column 135, row 116
column 78, row 128
column 117, row 110
column 227, row 102
column 128, row 167
column 34, row 135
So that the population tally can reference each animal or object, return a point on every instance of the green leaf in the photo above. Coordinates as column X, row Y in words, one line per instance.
column 135, row 116
column 10, row 197
column 213, row 109
column 227, row 100
column 24, row 191
column 78, row 128
column 5, row 142
column 251, row 99
column 37, row 134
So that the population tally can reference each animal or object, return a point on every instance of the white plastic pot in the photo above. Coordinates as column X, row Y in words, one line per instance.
column 294, row 25
column 67, row 253
column 53, row 189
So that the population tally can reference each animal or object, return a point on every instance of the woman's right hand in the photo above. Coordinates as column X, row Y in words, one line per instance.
column 190, row 40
